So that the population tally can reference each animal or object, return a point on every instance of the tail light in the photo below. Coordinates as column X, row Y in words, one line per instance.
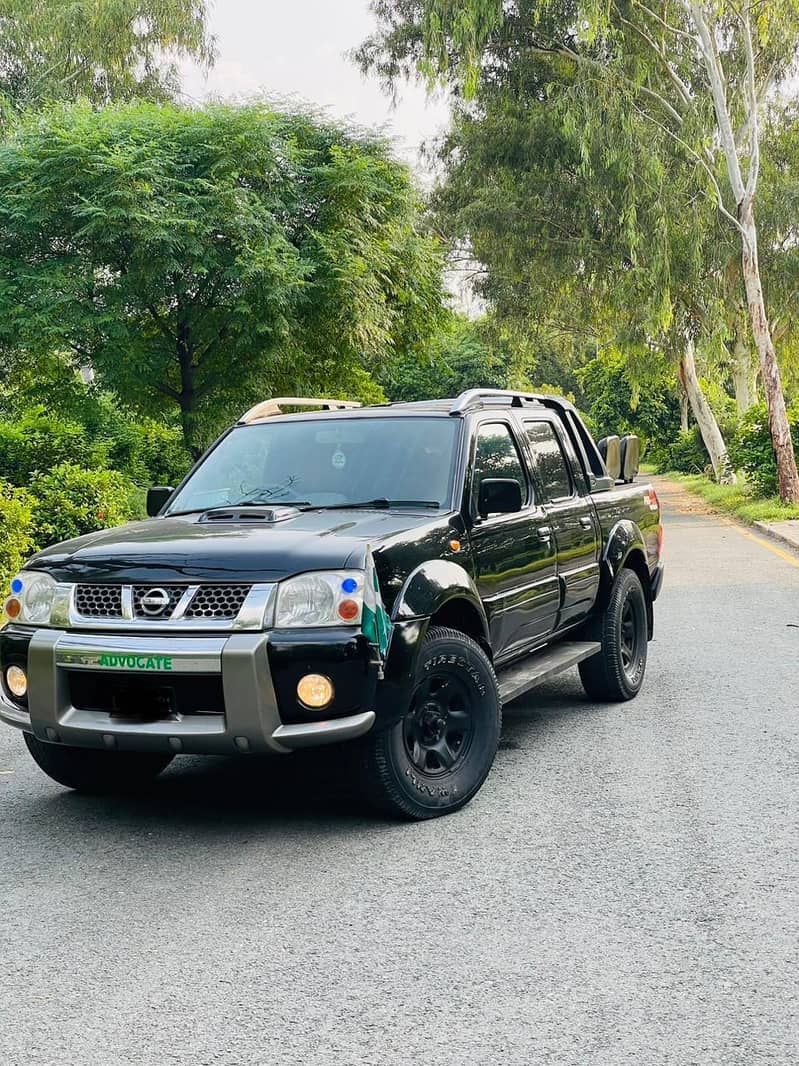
column 651, row 499
column 660, row 541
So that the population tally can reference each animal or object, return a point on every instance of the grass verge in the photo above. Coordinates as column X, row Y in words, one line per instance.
column 737, row 499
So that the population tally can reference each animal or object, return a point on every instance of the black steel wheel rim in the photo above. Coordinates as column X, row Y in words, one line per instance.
column 630, row 636
column 437, row 731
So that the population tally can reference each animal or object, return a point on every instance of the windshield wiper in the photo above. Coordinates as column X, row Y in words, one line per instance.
column 381, row 502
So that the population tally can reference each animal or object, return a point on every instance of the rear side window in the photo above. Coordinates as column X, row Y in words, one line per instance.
column 496, row 456
column 550, row 462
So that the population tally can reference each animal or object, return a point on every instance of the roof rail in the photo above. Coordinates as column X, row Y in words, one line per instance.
column 475, row 397
column 269, row 408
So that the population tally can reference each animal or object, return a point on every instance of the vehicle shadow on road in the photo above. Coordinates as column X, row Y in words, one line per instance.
column 314, row 787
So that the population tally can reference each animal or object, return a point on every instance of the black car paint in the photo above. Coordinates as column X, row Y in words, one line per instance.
column 488, row 574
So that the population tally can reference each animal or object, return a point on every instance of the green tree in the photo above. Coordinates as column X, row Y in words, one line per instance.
column 697, row 77
column 102, row 51
column 198, row 259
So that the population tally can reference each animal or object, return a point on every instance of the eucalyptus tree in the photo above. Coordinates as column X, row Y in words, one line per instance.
column 70, row 49
column 194, row 257
column 697, row 76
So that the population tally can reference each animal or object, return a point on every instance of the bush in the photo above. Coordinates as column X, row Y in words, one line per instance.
column 751, row 450
column 16, row 531
column 148, row 452
column 687, row 454
column 36, row 442
column 71, row 501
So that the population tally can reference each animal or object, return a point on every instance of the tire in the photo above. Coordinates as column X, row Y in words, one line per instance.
column 89, row 770
column 617, row 672
column 435, row 759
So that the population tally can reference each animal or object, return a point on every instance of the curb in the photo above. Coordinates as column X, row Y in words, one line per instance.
column 763, row 527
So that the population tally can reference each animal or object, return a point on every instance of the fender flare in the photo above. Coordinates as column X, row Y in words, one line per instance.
column 433, row 584
column 425, row 591
column 625, row 538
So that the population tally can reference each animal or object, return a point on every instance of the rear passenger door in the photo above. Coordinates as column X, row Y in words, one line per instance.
column 571, row 516
column 515, row 565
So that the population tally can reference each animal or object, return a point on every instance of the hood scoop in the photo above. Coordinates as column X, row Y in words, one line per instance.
column 261, row 516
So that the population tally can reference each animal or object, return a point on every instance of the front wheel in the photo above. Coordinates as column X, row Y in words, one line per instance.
column 91, row 770
column 616, row 673
column 435, row 759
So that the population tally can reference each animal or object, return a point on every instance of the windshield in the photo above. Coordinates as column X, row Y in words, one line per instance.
column 326, row 463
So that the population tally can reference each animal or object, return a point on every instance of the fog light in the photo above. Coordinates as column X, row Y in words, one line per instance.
column 315, row 691
column 17, row 681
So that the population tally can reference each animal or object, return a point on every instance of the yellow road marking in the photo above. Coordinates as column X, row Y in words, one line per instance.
column 767, row 544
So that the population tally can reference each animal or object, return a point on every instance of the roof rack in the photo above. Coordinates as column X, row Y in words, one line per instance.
column 269, row 408
column 476, row 397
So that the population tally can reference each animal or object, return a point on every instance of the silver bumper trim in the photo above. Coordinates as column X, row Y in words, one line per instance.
column 178, row 655
column 311, row 734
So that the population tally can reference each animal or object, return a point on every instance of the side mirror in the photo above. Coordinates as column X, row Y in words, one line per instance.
column 156, row 498
column 499, row 495
column 630, row 457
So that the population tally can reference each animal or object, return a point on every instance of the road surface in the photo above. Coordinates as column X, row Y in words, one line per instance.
column 623, row 890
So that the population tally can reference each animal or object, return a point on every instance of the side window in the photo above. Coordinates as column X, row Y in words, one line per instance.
column 550, row 462
column 496, row 455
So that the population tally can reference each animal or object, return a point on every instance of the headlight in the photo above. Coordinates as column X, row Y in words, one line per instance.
column 31, row 598
column 327, row 598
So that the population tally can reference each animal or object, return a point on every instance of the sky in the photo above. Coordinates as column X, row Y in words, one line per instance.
column 298, row 48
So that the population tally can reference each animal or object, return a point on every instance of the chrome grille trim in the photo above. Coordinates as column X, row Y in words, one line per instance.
column 250, row 607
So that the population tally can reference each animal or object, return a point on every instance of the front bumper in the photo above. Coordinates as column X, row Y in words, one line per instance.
column 247, row 669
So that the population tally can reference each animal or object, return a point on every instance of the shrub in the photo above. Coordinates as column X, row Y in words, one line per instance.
column 71, row 501
column 148, row 452
column 752, row 452
column 36, row 442
column 16, row 531
column 687, row 454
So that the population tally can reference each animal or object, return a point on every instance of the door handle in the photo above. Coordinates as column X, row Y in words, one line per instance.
column 545, row 532
column 586, row 522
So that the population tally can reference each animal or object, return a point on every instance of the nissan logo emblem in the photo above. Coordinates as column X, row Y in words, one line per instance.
column 155, row 602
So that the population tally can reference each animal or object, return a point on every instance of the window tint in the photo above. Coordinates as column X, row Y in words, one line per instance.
column 550, row 463
column 496, row 456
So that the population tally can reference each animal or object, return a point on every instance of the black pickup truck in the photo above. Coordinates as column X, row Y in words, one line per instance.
column 386, row 576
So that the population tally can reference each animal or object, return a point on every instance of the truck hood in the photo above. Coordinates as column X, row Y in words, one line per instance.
column 186, row 548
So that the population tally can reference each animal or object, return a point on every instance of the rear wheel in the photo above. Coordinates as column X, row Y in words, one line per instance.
column 435, row 759
column 616, row 673
column 90, row 770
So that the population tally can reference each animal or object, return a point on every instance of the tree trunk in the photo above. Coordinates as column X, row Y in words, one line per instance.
column 784, row 456
column 744, row 373
column 684, row 406
column 187, row 398
column 705, row 419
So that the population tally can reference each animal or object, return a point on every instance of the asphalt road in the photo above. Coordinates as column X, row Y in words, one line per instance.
column 623, row 890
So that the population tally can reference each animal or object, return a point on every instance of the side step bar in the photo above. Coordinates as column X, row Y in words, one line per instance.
column 517, row 679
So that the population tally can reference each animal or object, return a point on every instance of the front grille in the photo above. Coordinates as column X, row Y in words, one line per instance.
column 218, row 601
column 99, row 601
column 171, row 600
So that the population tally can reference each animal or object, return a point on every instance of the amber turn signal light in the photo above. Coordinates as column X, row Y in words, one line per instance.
column 12, row 607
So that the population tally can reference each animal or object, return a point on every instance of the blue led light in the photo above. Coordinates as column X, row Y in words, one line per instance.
column 16, row 586
column 349, row 585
